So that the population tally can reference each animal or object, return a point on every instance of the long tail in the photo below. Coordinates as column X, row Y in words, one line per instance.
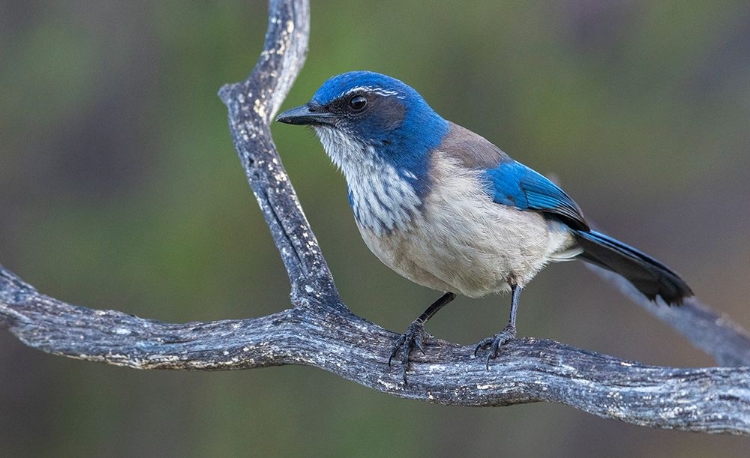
column 651, row 277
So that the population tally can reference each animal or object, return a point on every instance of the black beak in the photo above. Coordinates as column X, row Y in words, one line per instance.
column 306, row 115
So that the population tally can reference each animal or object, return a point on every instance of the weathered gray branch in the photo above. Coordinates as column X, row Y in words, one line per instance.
column 713, row 332
column 320, row 331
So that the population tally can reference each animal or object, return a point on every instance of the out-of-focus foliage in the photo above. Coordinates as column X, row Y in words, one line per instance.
column 120, row 188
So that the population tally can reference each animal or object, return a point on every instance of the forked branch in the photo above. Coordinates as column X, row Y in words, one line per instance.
column 320, row 331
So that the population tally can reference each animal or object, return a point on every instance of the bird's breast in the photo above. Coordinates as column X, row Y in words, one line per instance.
column 462, row 241
column 383, row 200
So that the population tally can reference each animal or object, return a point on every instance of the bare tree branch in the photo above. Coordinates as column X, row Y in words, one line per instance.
column 320, row 331
column 252, row 105
column 711, row 331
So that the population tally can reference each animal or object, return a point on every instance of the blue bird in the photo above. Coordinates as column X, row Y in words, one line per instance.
column 449, row 210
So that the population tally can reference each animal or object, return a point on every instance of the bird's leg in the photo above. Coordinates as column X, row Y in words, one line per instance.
column 415, row 332
column 508, row 333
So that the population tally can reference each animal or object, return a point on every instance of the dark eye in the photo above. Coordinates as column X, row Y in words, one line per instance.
column 358, row 103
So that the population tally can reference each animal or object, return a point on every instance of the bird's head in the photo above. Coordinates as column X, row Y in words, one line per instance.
column 363, row 117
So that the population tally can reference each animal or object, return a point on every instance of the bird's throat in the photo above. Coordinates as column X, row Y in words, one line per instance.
column 382, row 197
column 383, row 205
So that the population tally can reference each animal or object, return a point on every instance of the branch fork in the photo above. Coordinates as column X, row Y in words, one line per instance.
column 320, row 331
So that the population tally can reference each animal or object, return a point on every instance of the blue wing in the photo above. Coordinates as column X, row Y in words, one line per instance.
column 518, row 186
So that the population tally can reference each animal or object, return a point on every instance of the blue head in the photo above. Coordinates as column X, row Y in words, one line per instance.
column 359, row 114
column 381, row 133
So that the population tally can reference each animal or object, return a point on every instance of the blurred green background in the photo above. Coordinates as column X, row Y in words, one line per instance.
column 120, row 188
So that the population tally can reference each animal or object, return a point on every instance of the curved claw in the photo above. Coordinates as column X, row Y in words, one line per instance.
column 409, row 340
column 396, row 346
column 495, row 342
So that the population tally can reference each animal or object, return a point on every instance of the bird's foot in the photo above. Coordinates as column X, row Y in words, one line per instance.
column 495, row 342
column 409, row 340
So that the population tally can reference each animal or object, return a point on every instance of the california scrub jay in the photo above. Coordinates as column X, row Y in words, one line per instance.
column 449, row 210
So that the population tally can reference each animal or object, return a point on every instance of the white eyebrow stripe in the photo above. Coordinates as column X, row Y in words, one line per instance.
column 373, row 89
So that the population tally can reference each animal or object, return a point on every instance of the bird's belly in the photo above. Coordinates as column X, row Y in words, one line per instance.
column 474, row 248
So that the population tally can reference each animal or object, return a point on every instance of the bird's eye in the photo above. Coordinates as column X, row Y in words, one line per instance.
column 358, row 103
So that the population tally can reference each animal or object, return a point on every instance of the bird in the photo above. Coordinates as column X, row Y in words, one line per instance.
column 449, row 210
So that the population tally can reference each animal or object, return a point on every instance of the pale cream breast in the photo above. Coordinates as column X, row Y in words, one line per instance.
column 464, row 242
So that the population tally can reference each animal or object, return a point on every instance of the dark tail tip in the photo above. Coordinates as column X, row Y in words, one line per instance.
column 651, row 277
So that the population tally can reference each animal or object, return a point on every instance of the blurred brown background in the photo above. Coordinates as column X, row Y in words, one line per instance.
column 120, row 188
